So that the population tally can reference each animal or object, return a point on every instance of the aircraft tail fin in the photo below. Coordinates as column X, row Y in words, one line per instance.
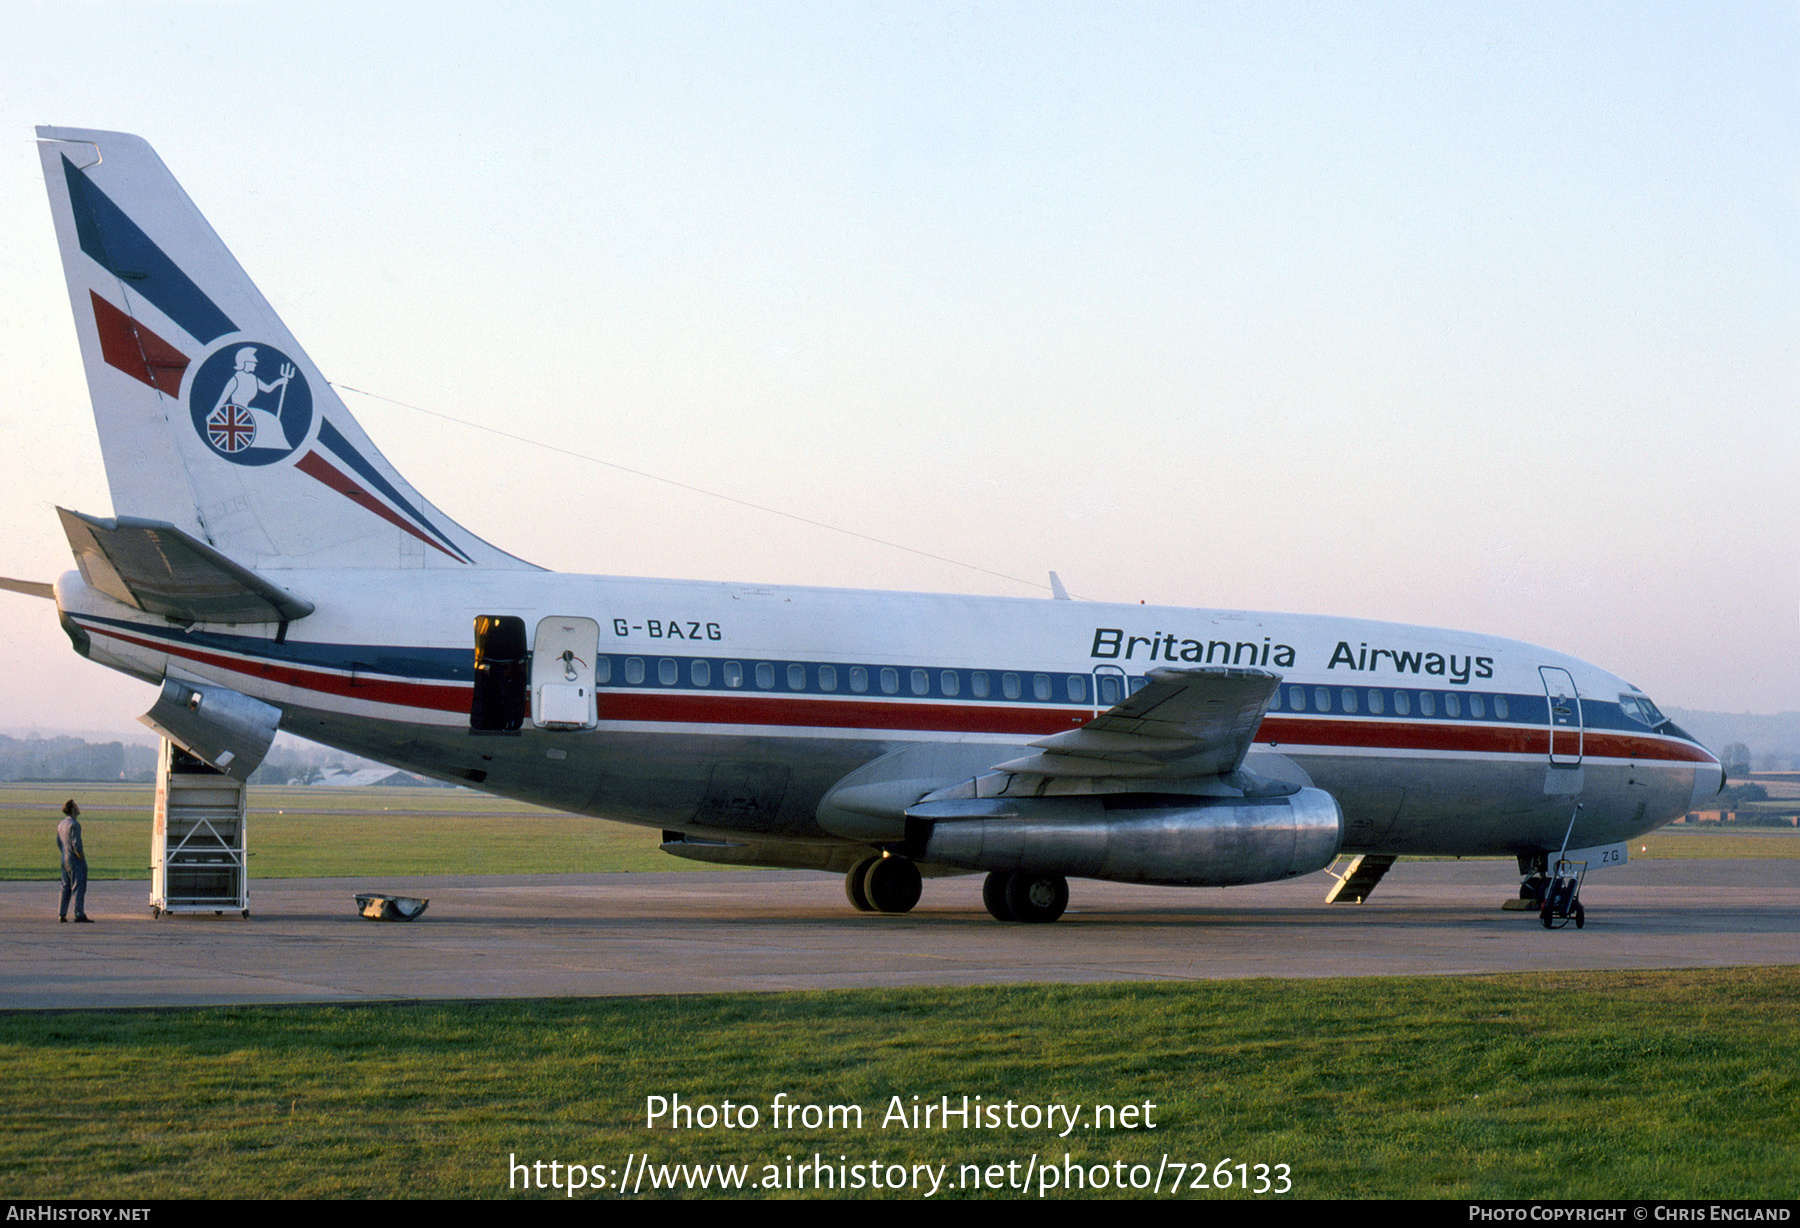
column 212, row 419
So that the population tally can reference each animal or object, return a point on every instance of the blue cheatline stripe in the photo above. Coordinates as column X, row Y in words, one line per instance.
column 457, row 665
column 330, row 436
column 393, row 660
column 116, row 244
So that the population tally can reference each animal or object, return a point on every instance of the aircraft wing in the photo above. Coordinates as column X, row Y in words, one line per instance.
column 157, row 568
column 1188, row 722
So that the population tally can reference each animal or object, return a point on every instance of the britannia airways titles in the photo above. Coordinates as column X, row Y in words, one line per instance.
column 1113, row 644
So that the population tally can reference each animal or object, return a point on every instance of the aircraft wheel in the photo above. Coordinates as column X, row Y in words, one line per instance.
column 1037, row 898
column 1580, row 917
column 854, row 890
column 892, row 884
column 993, row 894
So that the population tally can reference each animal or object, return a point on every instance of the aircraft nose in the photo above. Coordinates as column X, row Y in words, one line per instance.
column 1709, row 781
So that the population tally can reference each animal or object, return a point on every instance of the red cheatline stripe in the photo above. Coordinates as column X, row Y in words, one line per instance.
column 650, row 707
column 1488, row 739
column 715, row 709
column 314, row 465
column 137, row 351
column 406, row 693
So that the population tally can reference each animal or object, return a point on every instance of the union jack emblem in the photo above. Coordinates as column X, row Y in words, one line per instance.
column 231, row 428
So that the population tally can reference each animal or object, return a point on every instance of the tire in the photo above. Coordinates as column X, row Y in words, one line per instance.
column 993, row 894
column 1580, row 916
column 853, row 885
column 1037, row 898
column 1544, row 916
column 892, row 885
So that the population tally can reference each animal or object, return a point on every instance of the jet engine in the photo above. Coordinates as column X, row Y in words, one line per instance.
column 229, row 730
column 1170, row 839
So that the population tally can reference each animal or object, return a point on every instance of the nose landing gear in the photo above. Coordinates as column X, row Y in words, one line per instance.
column 1030, row 898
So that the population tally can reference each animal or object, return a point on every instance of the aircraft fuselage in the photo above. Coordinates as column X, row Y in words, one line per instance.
column 731, row 710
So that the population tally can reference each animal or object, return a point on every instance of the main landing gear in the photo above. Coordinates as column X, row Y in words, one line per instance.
column 891, row 884
column 883, row 884
column 1031, row 898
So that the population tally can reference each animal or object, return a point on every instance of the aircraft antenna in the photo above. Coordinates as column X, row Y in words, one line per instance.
column 1056, row 586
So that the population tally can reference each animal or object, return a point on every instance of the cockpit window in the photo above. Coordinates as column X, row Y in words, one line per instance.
column 1640, row 709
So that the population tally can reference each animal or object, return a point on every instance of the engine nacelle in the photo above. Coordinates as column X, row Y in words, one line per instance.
column 228, row 730
column 1170, row 839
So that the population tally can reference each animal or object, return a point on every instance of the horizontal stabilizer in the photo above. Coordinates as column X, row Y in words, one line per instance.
column 159, row 569
column 31, row 588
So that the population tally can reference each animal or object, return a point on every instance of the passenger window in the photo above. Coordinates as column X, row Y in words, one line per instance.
column 734, row 674
column 1077, row 689
column 1321, row 699
column 634, row 670
column 603, row 670
column 828, row 677
column 890, row 680
column 921, row 682
column 1275, row 701
column 978, row 684
column 1453, row 704
column 859, row 679
column 1138, row 684
column 1375, row 702
column 1427, row 705
column 1402, row 703
column 1297, row 698
column 667, row 672
column 1011, row 686
column 1108, row 685
column 701, row 673
column 796, row 677
column 1475, row 706
column 765, row 675
column 950, row 682
column 1348, row 698
column 1040, row 687
column 1499, row 707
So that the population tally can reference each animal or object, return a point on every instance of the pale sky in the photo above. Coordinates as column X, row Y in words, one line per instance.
column 1474, row 316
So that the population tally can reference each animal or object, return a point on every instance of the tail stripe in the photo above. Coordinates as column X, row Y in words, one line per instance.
column 117, row 245
column 331, row 438
column 316, row 466
column 135, row 350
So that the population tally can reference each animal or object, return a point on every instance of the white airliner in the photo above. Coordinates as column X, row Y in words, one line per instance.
column 270, row 570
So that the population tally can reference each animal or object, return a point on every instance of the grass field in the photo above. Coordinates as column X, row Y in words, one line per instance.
column 333, row 833
column 1663, row 1085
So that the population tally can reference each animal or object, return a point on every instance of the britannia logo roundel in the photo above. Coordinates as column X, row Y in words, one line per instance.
column 250, row 404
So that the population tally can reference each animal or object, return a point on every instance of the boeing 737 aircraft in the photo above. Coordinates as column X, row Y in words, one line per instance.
column 269, row 569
